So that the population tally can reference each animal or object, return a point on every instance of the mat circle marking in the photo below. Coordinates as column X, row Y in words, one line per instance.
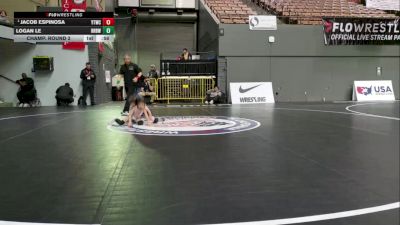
column 190, row 126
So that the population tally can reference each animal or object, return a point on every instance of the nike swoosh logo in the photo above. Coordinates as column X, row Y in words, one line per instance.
column 241, row 90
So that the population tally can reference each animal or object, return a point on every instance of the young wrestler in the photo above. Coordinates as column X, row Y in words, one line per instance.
column 137, row 111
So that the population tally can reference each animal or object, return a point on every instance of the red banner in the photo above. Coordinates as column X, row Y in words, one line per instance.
column 74, row 6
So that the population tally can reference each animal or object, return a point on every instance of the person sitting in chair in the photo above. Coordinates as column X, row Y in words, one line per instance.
column 213, row 96
column 64, row 95
column 27, row 91
column 153, row 73
column 147, row 91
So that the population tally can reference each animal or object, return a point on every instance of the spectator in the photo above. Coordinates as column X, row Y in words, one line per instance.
column 153, row 73
column 138, row 81
column 64, row 95
column 27, row 91
column 129, row 70
column 214, row 96
column 186, row 55
column 88, row 80
column 3, row 16
column 147, row 91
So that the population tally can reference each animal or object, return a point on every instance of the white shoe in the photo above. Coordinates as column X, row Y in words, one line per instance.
column 206, row 102
column 20, row 105
column 211, row 102
column 26, row 105
column 125, row 114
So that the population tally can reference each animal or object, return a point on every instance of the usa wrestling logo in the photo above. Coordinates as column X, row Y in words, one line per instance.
column 364, row 90
column 189, row 126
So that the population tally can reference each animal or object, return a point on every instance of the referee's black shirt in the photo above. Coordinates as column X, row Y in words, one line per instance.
column 129, row 71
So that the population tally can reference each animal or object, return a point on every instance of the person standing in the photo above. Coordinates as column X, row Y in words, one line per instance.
column 130, row 71
column 88, row 80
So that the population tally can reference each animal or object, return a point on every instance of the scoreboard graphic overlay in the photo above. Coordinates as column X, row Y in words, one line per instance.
column 64, row 26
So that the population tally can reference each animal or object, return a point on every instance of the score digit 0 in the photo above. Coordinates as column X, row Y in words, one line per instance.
column 108, row 30
column 108, row 21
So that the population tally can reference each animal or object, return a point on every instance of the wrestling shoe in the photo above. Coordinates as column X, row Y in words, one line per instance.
column 211, row 102
column 124, row 113
column 155, row 120
column 119, row 122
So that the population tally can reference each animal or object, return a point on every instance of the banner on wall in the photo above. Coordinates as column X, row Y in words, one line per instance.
column 252, row 93
column 74, row 6
column 262, row 22
column 373, row 90
column 107, row 74
column 361, row 31
column 392, row 5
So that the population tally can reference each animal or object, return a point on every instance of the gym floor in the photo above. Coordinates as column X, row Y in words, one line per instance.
column 62, row 165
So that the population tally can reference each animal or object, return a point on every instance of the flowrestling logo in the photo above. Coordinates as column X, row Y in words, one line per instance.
column 328, row 26
column 358, row 31
column 190, row 126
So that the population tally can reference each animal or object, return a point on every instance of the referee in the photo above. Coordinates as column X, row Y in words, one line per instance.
column 130, row 71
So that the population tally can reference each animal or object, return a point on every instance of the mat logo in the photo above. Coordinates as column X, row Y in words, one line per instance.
column 190, row 126
column 364, row 90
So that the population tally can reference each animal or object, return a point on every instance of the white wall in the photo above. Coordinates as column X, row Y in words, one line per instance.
column 16, row 58
column 11, row 6
column 6, row 32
